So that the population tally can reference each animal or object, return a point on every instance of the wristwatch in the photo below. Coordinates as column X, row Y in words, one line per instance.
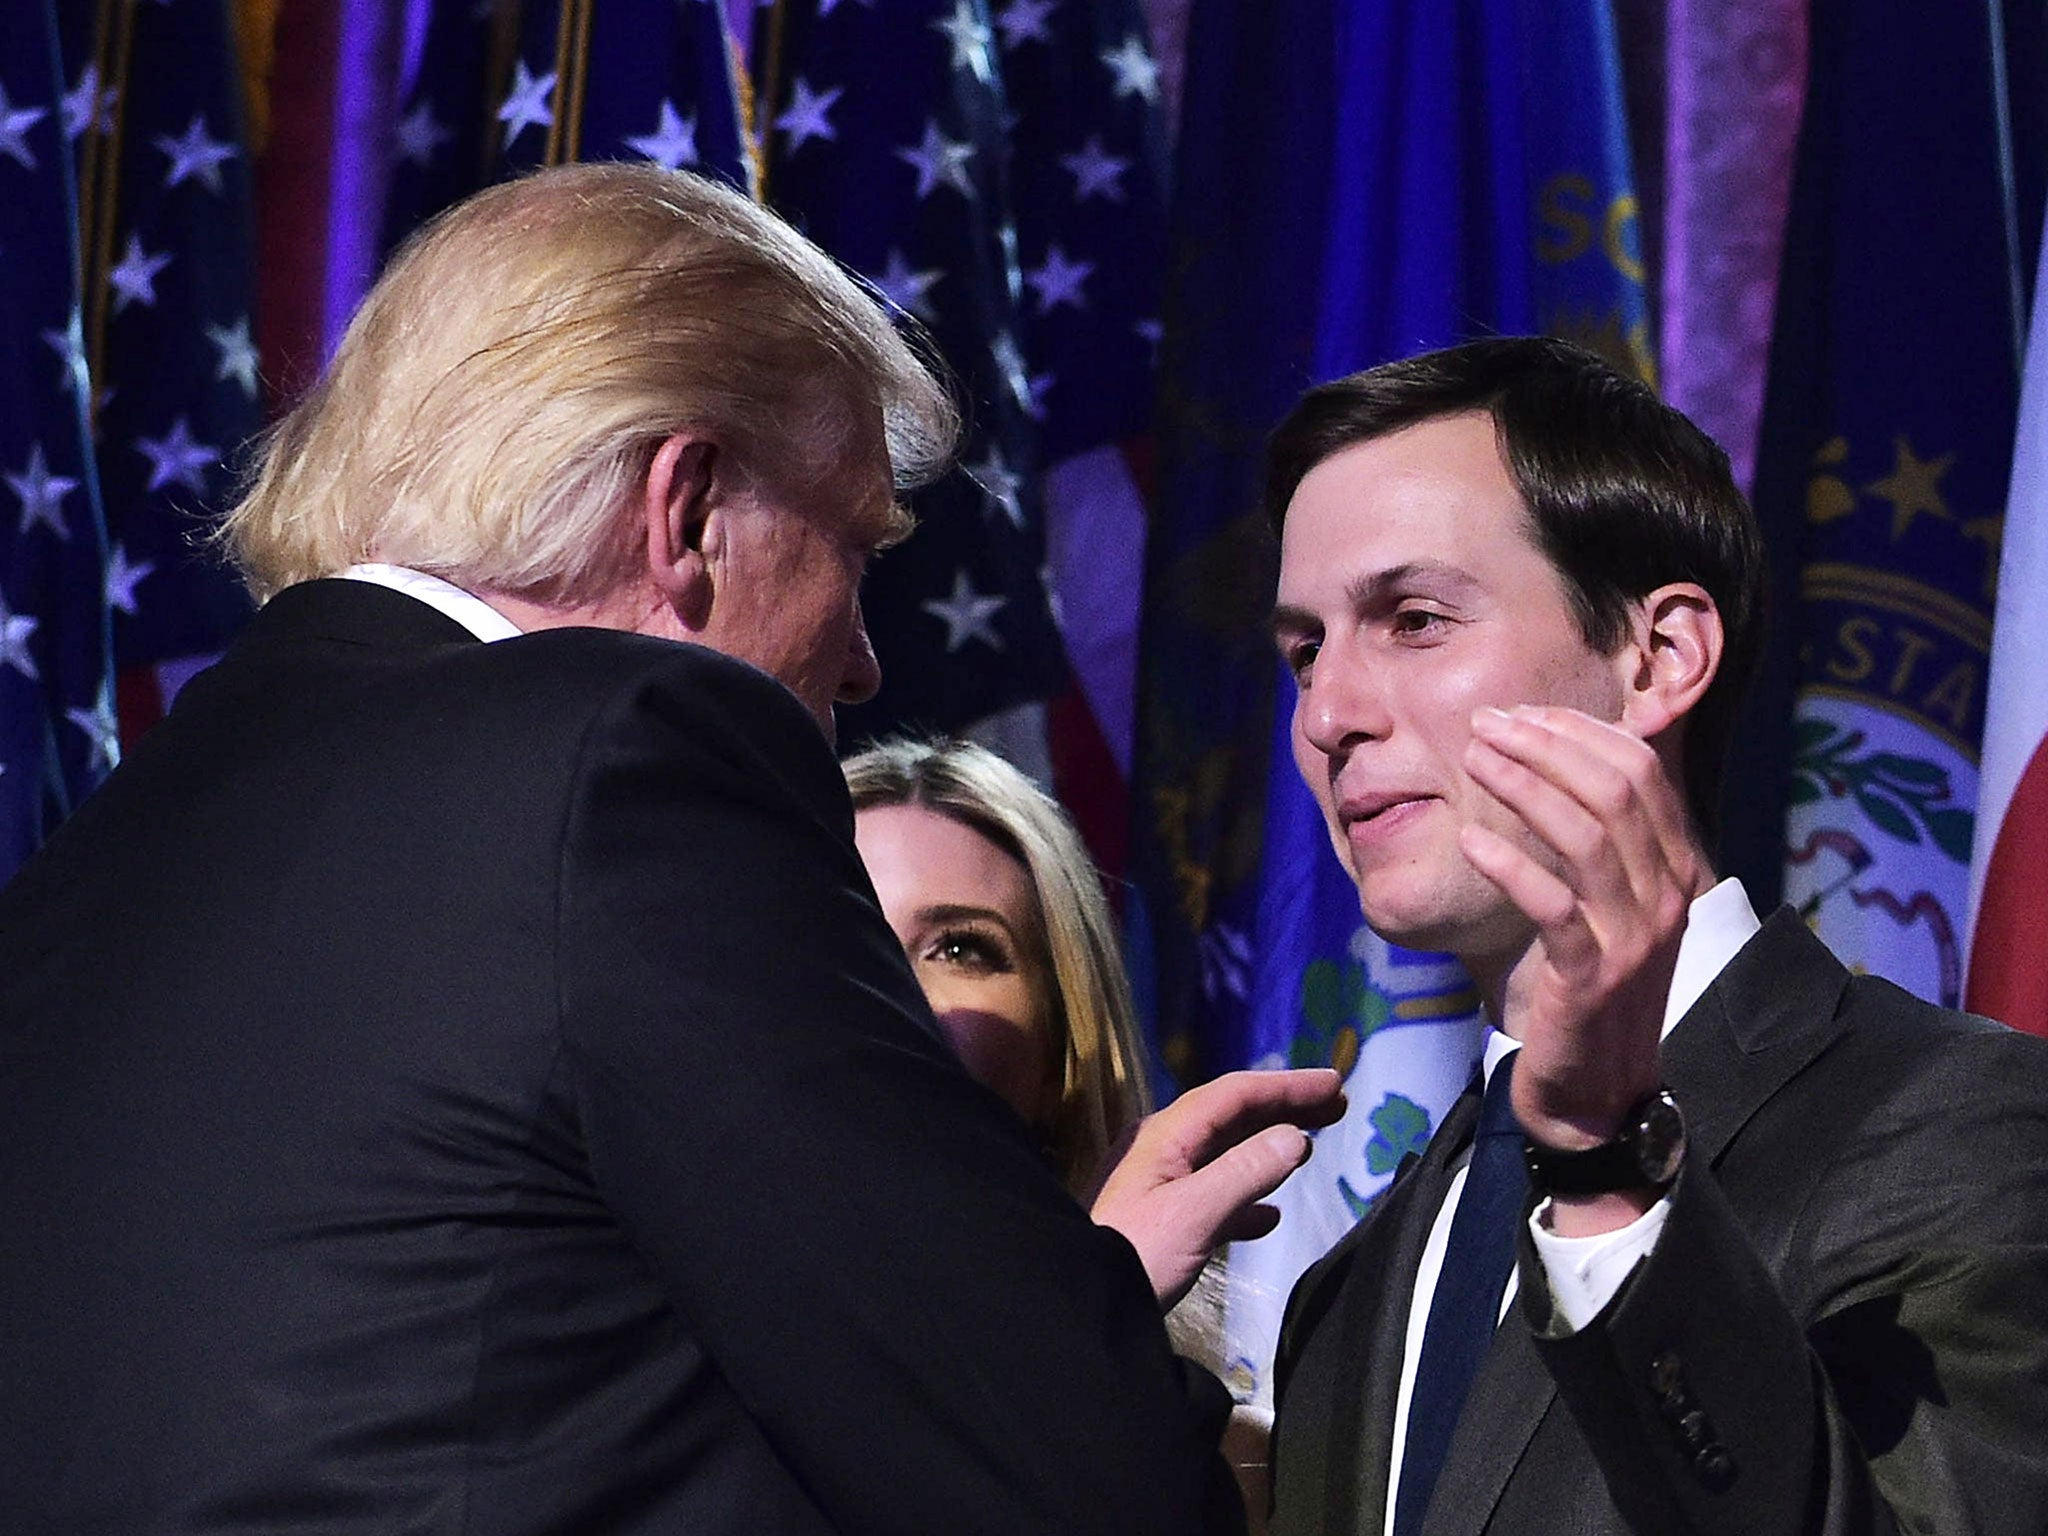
column 1646, row 1155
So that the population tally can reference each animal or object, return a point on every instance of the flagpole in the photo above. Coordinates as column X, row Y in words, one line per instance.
column 2008, row 180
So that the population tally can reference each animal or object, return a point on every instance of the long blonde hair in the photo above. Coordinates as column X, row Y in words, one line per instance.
column 1103, row 1088
column 507, row 381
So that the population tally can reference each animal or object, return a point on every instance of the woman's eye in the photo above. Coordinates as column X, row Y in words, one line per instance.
column 1301, row 656
column 970, row 951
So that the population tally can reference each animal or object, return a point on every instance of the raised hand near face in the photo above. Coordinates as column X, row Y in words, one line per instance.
column 1606, row 877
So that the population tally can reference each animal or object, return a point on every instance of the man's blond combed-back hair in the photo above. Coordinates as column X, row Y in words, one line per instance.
column 501, row 392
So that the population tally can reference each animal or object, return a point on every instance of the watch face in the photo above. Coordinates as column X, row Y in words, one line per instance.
column 1647, row 1154
column 1660, row 1140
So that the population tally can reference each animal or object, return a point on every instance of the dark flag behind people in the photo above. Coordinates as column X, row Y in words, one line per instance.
column 57, row 736
column 445, row 141
column 884, row 132
column 498, row 89
column 1087, row 166
column 156, row 114
column 644, row 79
column 1886, row 450
column 1414, row 174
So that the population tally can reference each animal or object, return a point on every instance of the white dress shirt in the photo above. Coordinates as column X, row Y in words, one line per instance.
column 465, row 608
column 1584, row 1272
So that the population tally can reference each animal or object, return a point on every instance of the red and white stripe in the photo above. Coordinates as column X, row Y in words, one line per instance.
column 2008, row 974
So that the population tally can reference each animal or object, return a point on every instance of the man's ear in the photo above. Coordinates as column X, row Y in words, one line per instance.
column 680, row 506
column 1672, row 657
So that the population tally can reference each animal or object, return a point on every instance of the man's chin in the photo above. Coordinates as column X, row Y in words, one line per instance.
column 1484, row 937
column 1419, row 913
column 1416, row 934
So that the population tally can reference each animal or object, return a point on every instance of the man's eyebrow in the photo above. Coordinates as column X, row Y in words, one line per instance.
column 1286, row 619
column 1371, row 589
column 1368, row 590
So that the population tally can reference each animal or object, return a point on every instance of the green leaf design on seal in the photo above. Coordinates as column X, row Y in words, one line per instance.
column 1400, row 1126
column 1354, row 1202
column 1953, row 832
column 1902, row 796
column 1328, row 996
column 1907, row 770
column 1888, row 814
column 1340, row 1010
column 1808, row 734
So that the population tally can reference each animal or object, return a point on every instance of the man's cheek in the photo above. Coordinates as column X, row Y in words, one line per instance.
column 1308, row 762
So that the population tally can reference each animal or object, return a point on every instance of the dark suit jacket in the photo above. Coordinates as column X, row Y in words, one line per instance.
column 462, row 1088
column 1843, row 1328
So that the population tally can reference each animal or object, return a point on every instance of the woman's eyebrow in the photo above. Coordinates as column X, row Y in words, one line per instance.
column 957, row 911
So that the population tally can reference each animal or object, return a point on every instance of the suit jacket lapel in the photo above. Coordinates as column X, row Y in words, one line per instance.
column 1772, row 1010
column 1509, row 1397
column 1359, row 1297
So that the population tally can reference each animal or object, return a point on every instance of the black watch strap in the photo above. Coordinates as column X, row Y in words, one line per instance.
column 1646, row 1155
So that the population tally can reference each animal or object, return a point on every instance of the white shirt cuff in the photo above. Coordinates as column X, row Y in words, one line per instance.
column 1586, row 1272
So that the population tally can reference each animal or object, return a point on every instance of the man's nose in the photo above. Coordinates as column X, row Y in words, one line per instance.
column 863, row 675
column 1340, row 704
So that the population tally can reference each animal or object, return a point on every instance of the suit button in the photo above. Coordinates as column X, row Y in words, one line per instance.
column 1696, row 1431
column 1667, row 1376
column 1715, row 1468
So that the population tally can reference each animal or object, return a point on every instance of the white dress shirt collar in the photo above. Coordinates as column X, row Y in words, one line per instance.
column 465, row 608
column 1717, row 925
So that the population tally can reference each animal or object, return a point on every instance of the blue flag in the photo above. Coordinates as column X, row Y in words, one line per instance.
column 885, row 136
column 1414, row 174
column 57, row 736
column 1882, row 477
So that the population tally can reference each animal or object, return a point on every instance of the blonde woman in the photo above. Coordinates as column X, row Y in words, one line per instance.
column 1003, row 920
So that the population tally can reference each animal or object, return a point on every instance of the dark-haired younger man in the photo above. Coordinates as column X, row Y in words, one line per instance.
column 1787, row 1264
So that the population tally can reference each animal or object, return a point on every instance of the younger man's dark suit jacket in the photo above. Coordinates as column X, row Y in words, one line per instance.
column 1843, row 1328
column 460, row 1088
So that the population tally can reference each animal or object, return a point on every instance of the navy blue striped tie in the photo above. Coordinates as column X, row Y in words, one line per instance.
column 1466, row 1307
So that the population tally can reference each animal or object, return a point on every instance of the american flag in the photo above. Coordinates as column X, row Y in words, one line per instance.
column 57, row 737
column 442, row 145
column 887, row 134
column 156, row 115
column 1088, row 182
column 493, row 90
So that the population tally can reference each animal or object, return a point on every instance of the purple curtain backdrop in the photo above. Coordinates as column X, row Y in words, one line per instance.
column 1735, row 77
column 365, row 104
